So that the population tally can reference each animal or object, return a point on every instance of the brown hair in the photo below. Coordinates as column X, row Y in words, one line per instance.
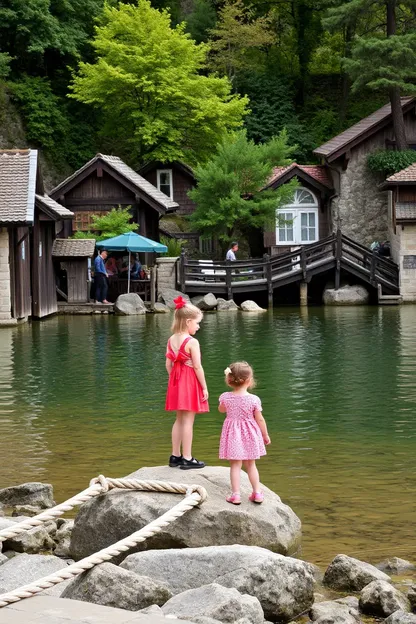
column 189, row 311
column 240, row 373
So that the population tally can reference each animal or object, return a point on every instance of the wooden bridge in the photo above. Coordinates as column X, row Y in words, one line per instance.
column 336, row 252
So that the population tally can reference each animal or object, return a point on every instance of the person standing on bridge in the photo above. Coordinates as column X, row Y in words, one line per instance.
column 231, row 252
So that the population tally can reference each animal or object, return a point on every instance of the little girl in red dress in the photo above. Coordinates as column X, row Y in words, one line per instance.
column 187, row 389
column 244, row 432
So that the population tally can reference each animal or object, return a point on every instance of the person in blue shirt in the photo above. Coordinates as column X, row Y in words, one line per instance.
column 135, row 268
column 100, row 278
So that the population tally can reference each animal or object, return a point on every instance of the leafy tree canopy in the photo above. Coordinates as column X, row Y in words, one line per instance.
column 229, row 193
column 147, row 82
column 388, row 162
column 116, row 222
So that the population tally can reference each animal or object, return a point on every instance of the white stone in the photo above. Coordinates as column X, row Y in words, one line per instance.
column 129, row 304
column 251, row 306
column 347, row 295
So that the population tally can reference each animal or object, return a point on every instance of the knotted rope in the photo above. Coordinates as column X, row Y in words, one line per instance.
column 195, row 495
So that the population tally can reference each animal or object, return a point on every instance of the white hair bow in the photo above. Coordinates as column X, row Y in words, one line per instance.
column 227, row 371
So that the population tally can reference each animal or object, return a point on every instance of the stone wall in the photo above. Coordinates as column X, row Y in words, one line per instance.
column 403, row 242
column 5, row 297
column 166, row 273
column 360, row 208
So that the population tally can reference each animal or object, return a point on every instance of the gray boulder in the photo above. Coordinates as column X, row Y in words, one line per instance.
column 167, row 295
column 379, row 598
column 3, row 558
column 1, row 510
column 348, row 574
column 36, row 494
column 216, row 602
column 205, row 302
column 160, row 308
column 272, row 525
column 63, row 538
column 395, row 565
column 347, row 295
column 400, row 617
column 152, row 610
column 350, row 601
column 411, row 595
column 251, row 306
column 284, row 586
column 26, row 510
column 24, row 569
column 129, row 304
column 109, row 585
column 333, row 612
column 224, row 305
column 31, row 541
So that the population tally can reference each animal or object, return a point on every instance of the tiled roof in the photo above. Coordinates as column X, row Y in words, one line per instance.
column 405, row 175
column 363, row 127
column 72, row 247
column 129, row 174
column 57, row 211
column 406, row 210
column 17, row 185
column 318, row 172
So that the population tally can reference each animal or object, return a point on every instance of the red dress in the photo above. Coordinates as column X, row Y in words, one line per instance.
column 184, row 390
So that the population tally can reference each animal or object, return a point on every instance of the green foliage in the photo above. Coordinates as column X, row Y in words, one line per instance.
column 116, row 222
column 229, row 193
column 5, row 60
column 388, row 162
column 147, row 82
column 201, row 20
column 174, row 246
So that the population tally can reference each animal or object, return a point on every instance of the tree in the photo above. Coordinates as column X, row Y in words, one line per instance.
column 230, row 193
column 237, row 33
column 148, row 83
column 116, row 222
column 201, row 20
column 386, row 60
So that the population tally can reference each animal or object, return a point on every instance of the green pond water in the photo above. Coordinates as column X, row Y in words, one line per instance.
column 81, row 396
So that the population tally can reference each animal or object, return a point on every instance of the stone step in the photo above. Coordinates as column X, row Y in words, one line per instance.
column 53, row 610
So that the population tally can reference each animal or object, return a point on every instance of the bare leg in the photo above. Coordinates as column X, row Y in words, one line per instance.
column 177, row 434
column 187, row 433
column 235, row 475
column 253, row 474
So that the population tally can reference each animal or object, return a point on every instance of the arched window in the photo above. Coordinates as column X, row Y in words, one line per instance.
column 297, row 222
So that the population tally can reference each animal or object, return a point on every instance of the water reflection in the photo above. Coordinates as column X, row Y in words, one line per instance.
column 80, row 396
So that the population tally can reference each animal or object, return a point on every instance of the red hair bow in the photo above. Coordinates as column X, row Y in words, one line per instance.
column 179, row 302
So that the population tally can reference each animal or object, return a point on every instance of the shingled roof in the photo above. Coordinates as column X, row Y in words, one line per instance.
column 73, row 247
column 140, row 184
column 17, row 185
column 318, row 173
column 360, row 131
column 52, row 208
column 405, row 176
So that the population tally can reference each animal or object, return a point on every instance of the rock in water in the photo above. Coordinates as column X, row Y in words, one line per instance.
column 379, row 598
column 36, row 494
column 332, row 612
column 205, row 302
column 224, row 305
column 111, row 586
column 349, row 574
column 411, row 595
column 272, row 525
column 160, row 308
column 129, row 305
column 251, row 306
column 167, row 295
column 395, row 565
column 347, row 295
column 216, row 602
column 400, row 617
column 284, row 586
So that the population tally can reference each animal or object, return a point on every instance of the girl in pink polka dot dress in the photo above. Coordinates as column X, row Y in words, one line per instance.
column 244, row 433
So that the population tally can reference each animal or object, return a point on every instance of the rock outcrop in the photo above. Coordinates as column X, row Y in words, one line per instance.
column 129, row 304
column 348, row 574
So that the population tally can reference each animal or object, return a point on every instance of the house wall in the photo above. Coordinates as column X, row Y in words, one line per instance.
column 403, row 244
column 361, row 208
column 5, row 295
column 181, row 185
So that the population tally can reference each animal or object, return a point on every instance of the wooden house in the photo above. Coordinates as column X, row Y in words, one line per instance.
column 175, row 179
column 29, row 223
column 73, row 256
column 106, row 182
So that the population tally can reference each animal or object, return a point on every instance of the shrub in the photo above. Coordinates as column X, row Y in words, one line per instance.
column 388, row 162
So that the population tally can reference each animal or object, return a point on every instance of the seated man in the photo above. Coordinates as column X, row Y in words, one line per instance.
column 135, row 268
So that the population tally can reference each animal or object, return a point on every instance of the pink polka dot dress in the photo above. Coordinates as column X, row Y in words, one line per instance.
column 241, row 437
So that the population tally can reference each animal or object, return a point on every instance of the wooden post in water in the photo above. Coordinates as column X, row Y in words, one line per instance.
column 182, row 271
column 268, row 276
column 338, row 256
column 228, row 278
column 303, row 291
column 152, row 287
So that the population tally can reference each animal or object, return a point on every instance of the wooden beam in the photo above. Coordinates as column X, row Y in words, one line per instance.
column 86, row 202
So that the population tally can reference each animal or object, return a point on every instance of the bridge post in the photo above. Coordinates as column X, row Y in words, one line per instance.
column 303, row 288
column 268, row 276
column 228, row 278
column 182, row 270
column 338, row 256
column 373, row 269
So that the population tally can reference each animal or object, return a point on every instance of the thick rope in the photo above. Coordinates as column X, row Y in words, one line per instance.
column 195, row 495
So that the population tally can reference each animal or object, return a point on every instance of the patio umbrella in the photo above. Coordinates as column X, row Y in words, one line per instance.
column 131, row 242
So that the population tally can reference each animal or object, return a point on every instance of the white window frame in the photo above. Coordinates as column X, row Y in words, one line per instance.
column 297, row 209
column 170, row 172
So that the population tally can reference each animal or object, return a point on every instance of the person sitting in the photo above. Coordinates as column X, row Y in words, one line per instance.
column 111, row 266
column 135, row 268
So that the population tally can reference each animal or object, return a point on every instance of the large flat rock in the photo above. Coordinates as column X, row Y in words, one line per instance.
column 115, row 515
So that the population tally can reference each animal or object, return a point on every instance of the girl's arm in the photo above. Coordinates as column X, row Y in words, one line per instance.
column 262, row 424
column 169, row 365
column 221, row 408
column 195, row 353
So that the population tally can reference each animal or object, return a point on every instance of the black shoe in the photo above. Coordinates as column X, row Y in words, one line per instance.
column 189, row 464
column 175, row 461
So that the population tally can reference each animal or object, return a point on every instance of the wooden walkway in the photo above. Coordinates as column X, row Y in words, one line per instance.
column 335, row 253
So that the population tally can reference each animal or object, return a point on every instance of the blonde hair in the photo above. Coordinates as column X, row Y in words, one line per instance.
column 238, row 373
column 188, row 311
